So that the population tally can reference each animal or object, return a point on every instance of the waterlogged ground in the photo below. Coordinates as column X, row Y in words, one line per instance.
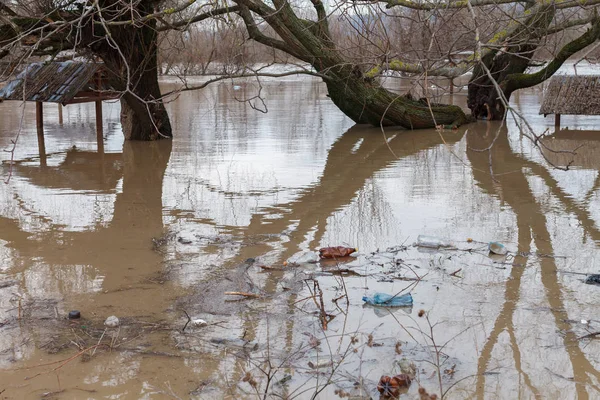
column 154, row 232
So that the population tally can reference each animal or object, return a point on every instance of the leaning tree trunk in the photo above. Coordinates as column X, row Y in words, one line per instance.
column 365, row 101
column 357, row 95
column 133, row 69
column 484, row 98
column 509, row 72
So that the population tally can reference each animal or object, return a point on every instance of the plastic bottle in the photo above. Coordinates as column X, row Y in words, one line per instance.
column 304, row 257
column 388, row 300
column 433, row 242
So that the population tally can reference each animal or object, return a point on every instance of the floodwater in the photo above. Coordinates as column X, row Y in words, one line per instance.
column 153, row 232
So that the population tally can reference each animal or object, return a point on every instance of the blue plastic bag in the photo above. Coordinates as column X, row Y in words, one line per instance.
column 388, row 300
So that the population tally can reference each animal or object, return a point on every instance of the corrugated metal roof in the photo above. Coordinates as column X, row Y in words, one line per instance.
column 572, row 95
column 54, row 82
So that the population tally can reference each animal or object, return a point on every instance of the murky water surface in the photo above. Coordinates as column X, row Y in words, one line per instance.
column 154, row 232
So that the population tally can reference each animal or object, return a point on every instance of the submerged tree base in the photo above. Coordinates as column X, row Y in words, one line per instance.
column 367, row 102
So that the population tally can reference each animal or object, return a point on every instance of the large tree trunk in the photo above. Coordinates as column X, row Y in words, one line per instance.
column 143, row 114
column 366, row 102
column 133, row 71
column 483, row 98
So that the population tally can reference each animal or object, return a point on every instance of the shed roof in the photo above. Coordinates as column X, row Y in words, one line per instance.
column 55, row 82
column 572, row 95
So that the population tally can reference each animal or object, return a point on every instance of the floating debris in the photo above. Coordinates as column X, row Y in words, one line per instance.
column 336, row 252
column 498, row 248
column 593, row 279
column 433, row 242
column 320, row 364
column 388, row 300
column 75, row 314
column 303, row 257
column 111, row 322
column 391, row 386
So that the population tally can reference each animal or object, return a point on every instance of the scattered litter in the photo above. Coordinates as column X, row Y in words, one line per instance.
column 391, row 386
column 303, row 257
column 387, row 300
column 336, row 252
column 316, row 273
column 111, row 322
column 199, row 322
column 433, row 242
column 593, row 279
column 320, row 364
column 407, row 367
column 184, row 240
column 270, row 268
column 286, row 378
column 497, row 248
column 75, row 314
column 244, row 294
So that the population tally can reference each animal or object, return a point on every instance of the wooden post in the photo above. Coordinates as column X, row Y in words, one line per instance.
column 60, row 114
column 99, row 133
column 557, row 122
column 39, row 119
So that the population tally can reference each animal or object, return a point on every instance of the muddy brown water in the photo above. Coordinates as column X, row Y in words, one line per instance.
column 151, row 231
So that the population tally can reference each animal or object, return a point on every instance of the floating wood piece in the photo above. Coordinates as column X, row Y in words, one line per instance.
column 244, row 294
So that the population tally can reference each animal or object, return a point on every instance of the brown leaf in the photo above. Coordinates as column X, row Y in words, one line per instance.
column 398, row 348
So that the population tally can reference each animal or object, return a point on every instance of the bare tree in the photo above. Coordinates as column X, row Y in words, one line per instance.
column 123, row 35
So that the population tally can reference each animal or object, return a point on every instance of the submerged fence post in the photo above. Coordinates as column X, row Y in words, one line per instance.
column 99, row 133
column 39, row 120
column 557, row 122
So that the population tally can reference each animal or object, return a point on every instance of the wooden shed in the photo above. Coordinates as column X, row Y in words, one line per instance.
column 571, row 95
column 63, row 83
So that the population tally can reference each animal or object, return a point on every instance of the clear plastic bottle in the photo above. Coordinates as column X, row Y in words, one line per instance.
column 304, row 257
column 433, row 242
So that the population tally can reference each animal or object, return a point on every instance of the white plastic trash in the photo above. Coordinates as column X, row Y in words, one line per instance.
column 498, row 248
column 304, row 257
column 111, row 322
column 433, row 242
column 199, row 322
